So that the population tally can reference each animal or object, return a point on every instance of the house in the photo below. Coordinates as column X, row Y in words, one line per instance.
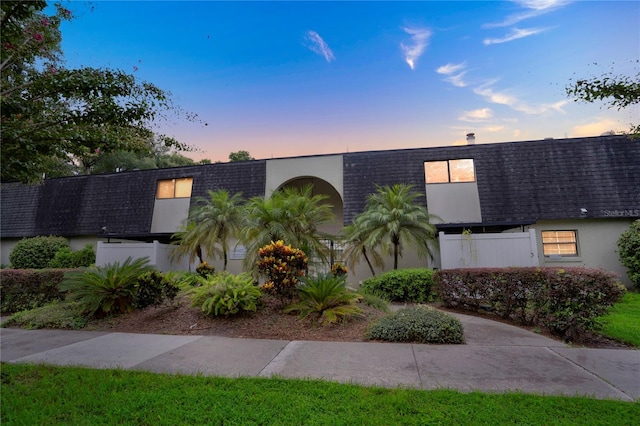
column 567, row 199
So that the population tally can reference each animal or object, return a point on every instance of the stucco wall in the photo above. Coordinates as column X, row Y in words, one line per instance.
column 597, row 244
column 454, row 202
column 169, row 214
column 329, row 168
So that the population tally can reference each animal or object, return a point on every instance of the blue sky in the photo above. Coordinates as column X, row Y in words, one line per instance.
column 283, row 79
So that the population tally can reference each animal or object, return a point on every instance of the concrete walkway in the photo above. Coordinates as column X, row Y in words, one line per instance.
column 496, row 358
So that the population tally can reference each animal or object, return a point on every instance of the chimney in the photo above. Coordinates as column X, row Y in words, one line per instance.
column 471, row 138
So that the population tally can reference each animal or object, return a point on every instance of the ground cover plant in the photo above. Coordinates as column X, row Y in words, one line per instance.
column 622, row 322
column 38, row 394
column 420, row 324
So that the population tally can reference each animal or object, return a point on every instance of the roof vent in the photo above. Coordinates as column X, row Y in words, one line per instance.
column 471, row 138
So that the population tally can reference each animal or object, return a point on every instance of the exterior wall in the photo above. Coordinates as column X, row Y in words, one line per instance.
column 597, row 244
column 454, row 202
column 328, row 168
column 169, row 214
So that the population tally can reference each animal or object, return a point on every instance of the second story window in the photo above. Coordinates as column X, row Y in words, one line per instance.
column 449, row 171
column 174, row 188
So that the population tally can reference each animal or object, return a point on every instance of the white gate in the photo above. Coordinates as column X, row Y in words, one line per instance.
column 488, row 250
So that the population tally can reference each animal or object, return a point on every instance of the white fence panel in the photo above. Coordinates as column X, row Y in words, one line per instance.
column 488, row 250
column 158, row 254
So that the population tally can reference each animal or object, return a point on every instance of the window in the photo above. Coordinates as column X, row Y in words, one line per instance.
column 559, row 243
column 174, row 188
column 449, row 171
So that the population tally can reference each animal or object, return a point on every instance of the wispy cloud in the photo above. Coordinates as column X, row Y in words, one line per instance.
column 476, row 115
column 504, row 98
column 419, row 42
column 532, row 8
column 450, row 70
column 515, row 34
column 317, row 45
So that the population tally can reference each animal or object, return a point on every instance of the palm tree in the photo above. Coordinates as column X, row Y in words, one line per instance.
column 292, row 215
column 211, row 225
column 186, row 243
column 393, row 218
column 356, row 247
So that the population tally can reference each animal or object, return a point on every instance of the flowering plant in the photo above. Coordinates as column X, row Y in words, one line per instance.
column 204, row 269
column 338, row 269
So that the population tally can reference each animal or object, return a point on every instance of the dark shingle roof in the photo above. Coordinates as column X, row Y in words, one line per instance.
column 517, row 182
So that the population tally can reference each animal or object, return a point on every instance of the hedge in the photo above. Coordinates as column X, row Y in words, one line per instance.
column 402, row 285
column 22, row 289
column 565, row 300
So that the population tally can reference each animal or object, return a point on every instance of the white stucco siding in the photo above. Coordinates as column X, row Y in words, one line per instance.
column 454, row 202
column 597, row 244
column 328, row 168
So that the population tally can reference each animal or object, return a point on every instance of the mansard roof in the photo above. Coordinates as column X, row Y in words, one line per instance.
column 517, row 182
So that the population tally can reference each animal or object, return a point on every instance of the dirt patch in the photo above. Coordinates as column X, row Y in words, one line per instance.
column 269, row 322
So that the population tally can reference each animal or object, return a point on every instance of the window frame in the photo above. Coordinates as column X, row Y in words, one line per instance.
column 558, row 243
column 175, row 188
column 449, row 174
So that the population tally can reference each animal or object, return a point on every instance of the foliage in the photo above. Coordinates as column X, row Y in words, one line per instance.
column 393, row 218
column 204, row 270
column 421, row 324
column 404, row 285
column 124, row 396
column 240, row 156
column 36, row 252
column 152, row 288
column 376, row 301
column 57, row 314
column 338, row 269
column 615, row 90
column 216, row 221
column 327, row 296
column 292, row 215
column 629, row 251
column 567, row 301
column 48, row 111
column 356, row 246
column 186, row 242
column 226, row 294
column 109, row 289
column 66, row 258
column 622, row 322
column 282, row 265
column 22, row 289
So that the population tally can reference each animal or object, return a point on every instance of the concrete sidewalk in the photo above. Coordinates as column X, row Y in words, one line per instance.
column 496, row 358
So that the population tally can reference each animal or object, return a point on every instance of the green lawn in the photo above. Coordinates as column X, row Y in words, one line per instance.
column 623, row 320
column 33, row 395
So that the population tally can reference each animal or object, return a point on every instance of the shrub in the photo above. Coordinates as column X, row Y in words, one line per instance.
column 57, row 314
column 629, row 251
column 36, row 252
column 152, row 288
column 327, row 296
column 339, row 269
column 375, row 301
column 204, row 270
column 66, row 258
column 404, row 285
column 421, row 324
column 22, row 289
column 109, row 289
column 226, row 294
column 567, row 301
column 282, row 265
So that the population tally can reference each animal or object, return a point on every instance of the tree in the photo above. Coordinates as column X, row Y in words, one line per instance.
column 212, row 223
column 393, row 218
column 71, row 114
column 629, row 252
column 616, row 91
column 356, row 246
column 240, row 156
column 292, row 215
